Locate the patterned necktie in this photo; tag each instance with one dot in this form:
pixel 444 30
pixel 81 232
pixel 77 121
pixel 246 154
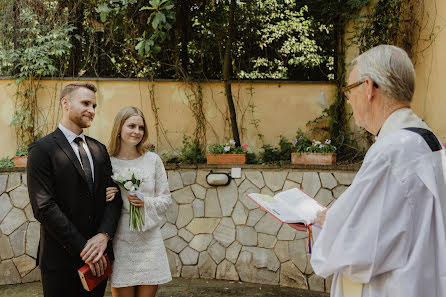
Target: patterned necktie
pixel 85 162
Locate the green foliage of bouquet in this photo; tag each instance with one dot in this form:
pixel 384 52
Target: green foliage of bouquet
pixel 131 179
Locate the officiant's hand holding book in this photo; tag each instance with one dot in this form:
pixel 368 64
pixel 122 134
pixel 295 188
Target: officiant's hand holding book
pixel 293 207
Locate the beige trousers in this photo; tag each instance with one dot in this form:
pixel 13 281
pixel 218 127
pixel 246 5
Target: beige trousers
pixel 351 289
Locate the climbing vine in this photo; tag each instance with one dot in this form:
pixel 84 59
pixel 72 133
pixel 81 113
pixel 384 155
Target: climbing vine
pixel 396 22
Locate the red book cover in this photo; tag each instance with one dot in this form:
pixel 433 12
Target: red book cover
pixel 89 281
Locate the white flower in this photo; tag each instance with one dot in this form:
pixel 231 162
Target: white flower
pixel 126 174
pixel 317 142
pixel 115 176
pixel 232 142
pixel 128 185
pixel 227 148
pixel 132 189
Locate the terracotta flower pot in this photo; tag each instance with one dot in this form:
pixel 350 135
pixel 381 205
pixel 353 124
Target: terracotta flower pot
pixel 20 161
pixel 313 158
pixel 226 159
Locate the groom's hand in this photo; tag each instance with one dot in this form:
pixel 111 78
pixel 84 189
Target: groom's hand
pixel 94 249
pixel 98 268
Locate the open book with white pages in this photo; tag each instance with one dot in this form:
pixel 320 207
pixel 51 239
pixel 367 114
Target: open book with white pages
pixel 292 206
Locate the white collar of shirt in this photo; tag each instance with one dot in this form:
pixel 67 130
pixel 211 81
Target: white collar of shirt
pixel 399 119
pixel 70 135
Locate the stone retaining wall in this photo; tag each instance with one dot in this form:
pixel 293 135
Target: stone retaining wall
pixel 209 232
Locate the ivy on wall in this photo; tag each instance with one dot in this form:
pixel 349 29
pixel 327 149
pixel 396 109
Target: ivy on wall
pixel 307 35
pixel 396 22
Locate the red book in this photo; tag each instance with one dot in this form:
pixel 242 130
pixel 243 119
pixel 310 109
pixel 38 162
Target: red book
pixel 89 281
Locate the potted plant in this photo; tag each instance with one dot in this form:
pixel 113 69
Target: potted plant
pixel 312 152
pixel 6 162
pixel 227 153
pixel 21 156
pixel 150 147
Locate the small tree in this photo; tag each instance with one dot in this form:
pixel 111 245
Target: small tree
pixel 39 45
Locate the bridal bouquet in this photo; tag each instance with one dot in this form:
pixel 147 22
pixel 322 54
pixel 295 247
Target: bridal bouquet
pixel 131 179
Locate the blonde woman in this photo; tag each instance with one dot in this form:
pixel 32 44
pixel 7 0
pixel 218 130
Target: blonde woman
pixel 140 257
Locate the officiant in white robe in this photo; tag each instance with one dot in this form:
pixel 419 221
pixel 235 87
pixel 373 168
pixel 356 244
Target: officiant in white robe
pixel 385 235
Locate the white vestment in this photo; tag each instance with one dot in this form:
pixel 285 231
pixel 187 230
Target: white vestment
pixel 387 230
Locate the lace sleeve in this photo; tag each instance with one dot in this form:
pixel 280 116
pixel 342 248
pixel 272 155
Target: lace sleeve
pixel 155 207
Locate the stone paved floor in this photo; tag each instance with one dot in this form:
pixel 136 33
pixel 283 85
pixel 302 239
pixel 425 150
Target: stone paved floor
pixel 186 288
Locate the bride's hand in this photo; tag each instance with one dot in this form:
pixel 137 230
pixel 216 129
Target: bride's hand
pixel 320 220
pixel 110 193
pixel 134 200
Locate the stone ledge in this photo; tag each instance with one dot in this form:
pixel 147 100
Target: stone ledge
pixel 13 169
pixel 341 167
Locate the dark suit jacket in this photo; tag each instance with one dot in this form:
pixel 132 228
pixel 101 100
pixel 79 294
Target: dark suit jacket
pixel 61 200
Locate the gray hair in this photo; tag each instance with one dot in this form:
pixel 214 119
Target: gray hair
pixel 391 69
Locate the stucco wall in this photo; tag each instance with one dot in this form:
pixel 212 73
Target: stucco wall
pixel 209 232
pixel 429 101
pixel 279 109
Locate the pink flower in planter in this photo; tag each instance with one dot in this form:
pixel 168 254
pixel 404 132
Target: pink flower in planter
pixel 245 146
pixel 150 145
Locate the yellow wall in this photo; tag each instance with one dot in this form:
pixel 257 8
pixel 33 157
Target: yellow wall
pixel 430 99
pixel 280 109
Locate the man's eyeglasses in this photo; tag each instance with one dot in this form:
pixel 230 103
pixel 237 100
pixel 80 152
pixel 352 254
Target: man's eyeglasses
pixel 346 90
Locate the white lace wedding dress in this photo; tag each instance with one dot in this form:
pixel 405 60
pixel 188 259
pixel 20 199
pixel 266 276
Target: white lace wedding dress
pixel 140 256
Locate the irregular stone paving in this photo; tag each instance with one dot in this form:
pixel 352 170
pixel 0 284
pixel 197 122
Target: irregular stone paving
pixel 182 287
pixel 209 232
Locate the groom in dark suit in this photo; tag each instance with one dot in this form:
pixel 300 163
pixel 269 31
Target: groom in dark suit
pixel 68 173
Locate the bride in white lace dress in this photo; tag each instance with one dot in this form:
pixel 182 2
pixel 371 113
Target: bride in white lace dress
pixel 140 263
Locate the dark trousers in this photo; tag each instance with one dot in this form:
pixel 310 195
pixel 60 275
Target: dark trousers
pixel 67 284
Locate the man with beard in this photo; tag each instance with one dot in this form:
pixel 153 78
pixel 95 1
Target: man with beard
pixel 68 173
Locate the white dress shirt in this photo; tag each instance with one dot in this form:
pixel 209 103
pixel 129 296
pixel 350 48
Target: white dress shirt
pixel 388 229
pixel 70 135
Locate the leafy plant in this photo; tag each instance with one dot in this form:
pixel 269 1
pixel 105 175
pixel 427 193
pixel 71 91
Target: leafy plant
pixel 301 144
pixel 41 43
pixel 288 27
pixel 6 162
pixel 22 151
pixel 150 147
pixel 252 159
pixel 170 158
pixel 161 19
pixel 191 153
pixel 318 147
pixel 227 148
pixel 279 154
